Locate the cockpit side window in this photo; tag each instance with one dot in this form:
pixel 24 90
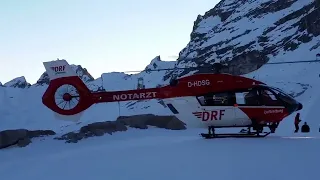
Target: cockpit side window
pixel 248 98
pixel 217 99
pixel 281 95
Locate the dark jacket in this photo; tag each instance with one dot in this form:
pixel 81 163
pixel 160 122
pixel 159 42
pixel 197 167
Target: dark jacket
pixel 305 128
pixel 297 119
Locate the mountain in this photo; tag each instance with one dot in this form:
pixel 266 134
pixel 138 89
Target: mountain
pixel 19 82
pixel 121 81
pixel 244 35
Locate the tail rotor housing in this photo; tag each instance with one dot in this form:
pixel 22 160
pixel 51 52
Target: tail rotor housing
pixel 67 94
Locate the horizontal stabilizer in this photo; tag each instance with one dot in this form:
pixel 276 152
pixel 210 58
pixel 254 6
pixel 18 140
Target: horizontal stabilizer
pixel 58 69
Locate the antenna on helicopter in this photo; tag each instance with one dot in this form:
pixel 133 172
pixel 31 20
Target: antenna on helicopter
pixel 140 83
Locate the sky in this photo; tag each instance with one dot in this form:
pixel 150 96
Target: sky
pixel 101 35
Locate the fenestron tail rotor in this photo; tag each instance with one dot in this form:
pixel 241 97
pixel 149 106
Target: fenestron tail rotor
pixel 67 97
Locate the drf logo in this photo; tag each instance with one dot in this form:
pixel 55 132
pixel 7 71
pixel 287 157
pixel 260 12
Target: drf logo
pixel 210 115
pixel 59 69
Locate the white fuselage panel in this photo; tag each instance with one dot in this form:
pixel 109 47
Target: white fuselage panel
pixel 194 115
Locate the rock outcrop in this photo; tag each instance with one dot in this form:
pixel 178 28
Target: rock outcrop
pixel 21 137
pixel 110 127
pixel 143 121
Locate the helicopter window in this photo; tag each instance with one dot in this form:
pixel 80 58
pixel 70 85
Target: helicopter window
pixel 269 99
pixel 217 99
pixel 279 91
pixel 201 100
pixel 248 98
pixel 240 98
pixel 283 96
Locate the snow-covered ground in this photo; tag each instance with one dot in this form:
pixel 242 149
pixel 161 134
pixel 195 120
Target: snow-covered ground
pixel 160 154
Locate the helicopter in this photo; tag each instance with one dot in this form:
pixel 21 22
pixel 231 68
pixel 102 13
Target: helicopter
pixel 204 100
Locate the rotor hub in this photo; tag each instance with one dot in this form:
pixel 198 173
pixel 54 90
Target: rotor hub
pixel 67 97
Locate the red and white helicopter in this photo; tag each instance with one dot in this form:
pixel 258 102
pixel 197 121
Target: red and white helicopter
pixel 200 100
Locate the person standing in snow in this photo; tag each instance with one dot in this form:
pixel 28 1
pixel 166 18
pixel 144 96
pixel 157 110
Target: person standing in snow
pixel 305 128
pixel 296 122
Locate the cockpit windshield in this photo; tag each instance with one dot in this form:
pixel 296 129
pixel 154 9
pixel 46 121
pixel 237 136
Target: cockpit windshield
pixel 279 91
pixel 282 95
pixel 288 101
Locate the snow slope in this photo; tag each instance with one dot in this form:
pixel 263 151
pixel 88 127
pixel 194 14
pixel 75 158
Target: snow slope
pixel 160 154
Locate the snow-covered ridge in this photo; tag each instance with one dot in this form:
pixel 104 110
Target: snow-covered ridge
pixel 95 84
pixel 121 81
pixel 19 82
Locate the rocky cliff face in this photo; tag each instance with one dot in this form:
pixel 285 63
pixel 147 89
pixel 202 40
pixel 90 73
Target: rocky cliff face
pixel 246 34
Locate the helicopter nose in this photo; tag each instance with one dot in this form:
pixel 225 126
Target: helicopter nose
pixel 300 106
pixel 294 107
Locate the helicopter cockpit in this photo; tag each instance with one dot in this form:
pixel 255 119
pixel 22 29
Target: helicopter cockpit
pixel 287 100
pixel 260 95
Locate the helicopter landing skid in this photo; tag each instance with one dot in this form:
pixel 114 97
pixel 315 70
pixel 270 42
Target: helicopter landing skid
pixel 216 136
pixel 213 135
